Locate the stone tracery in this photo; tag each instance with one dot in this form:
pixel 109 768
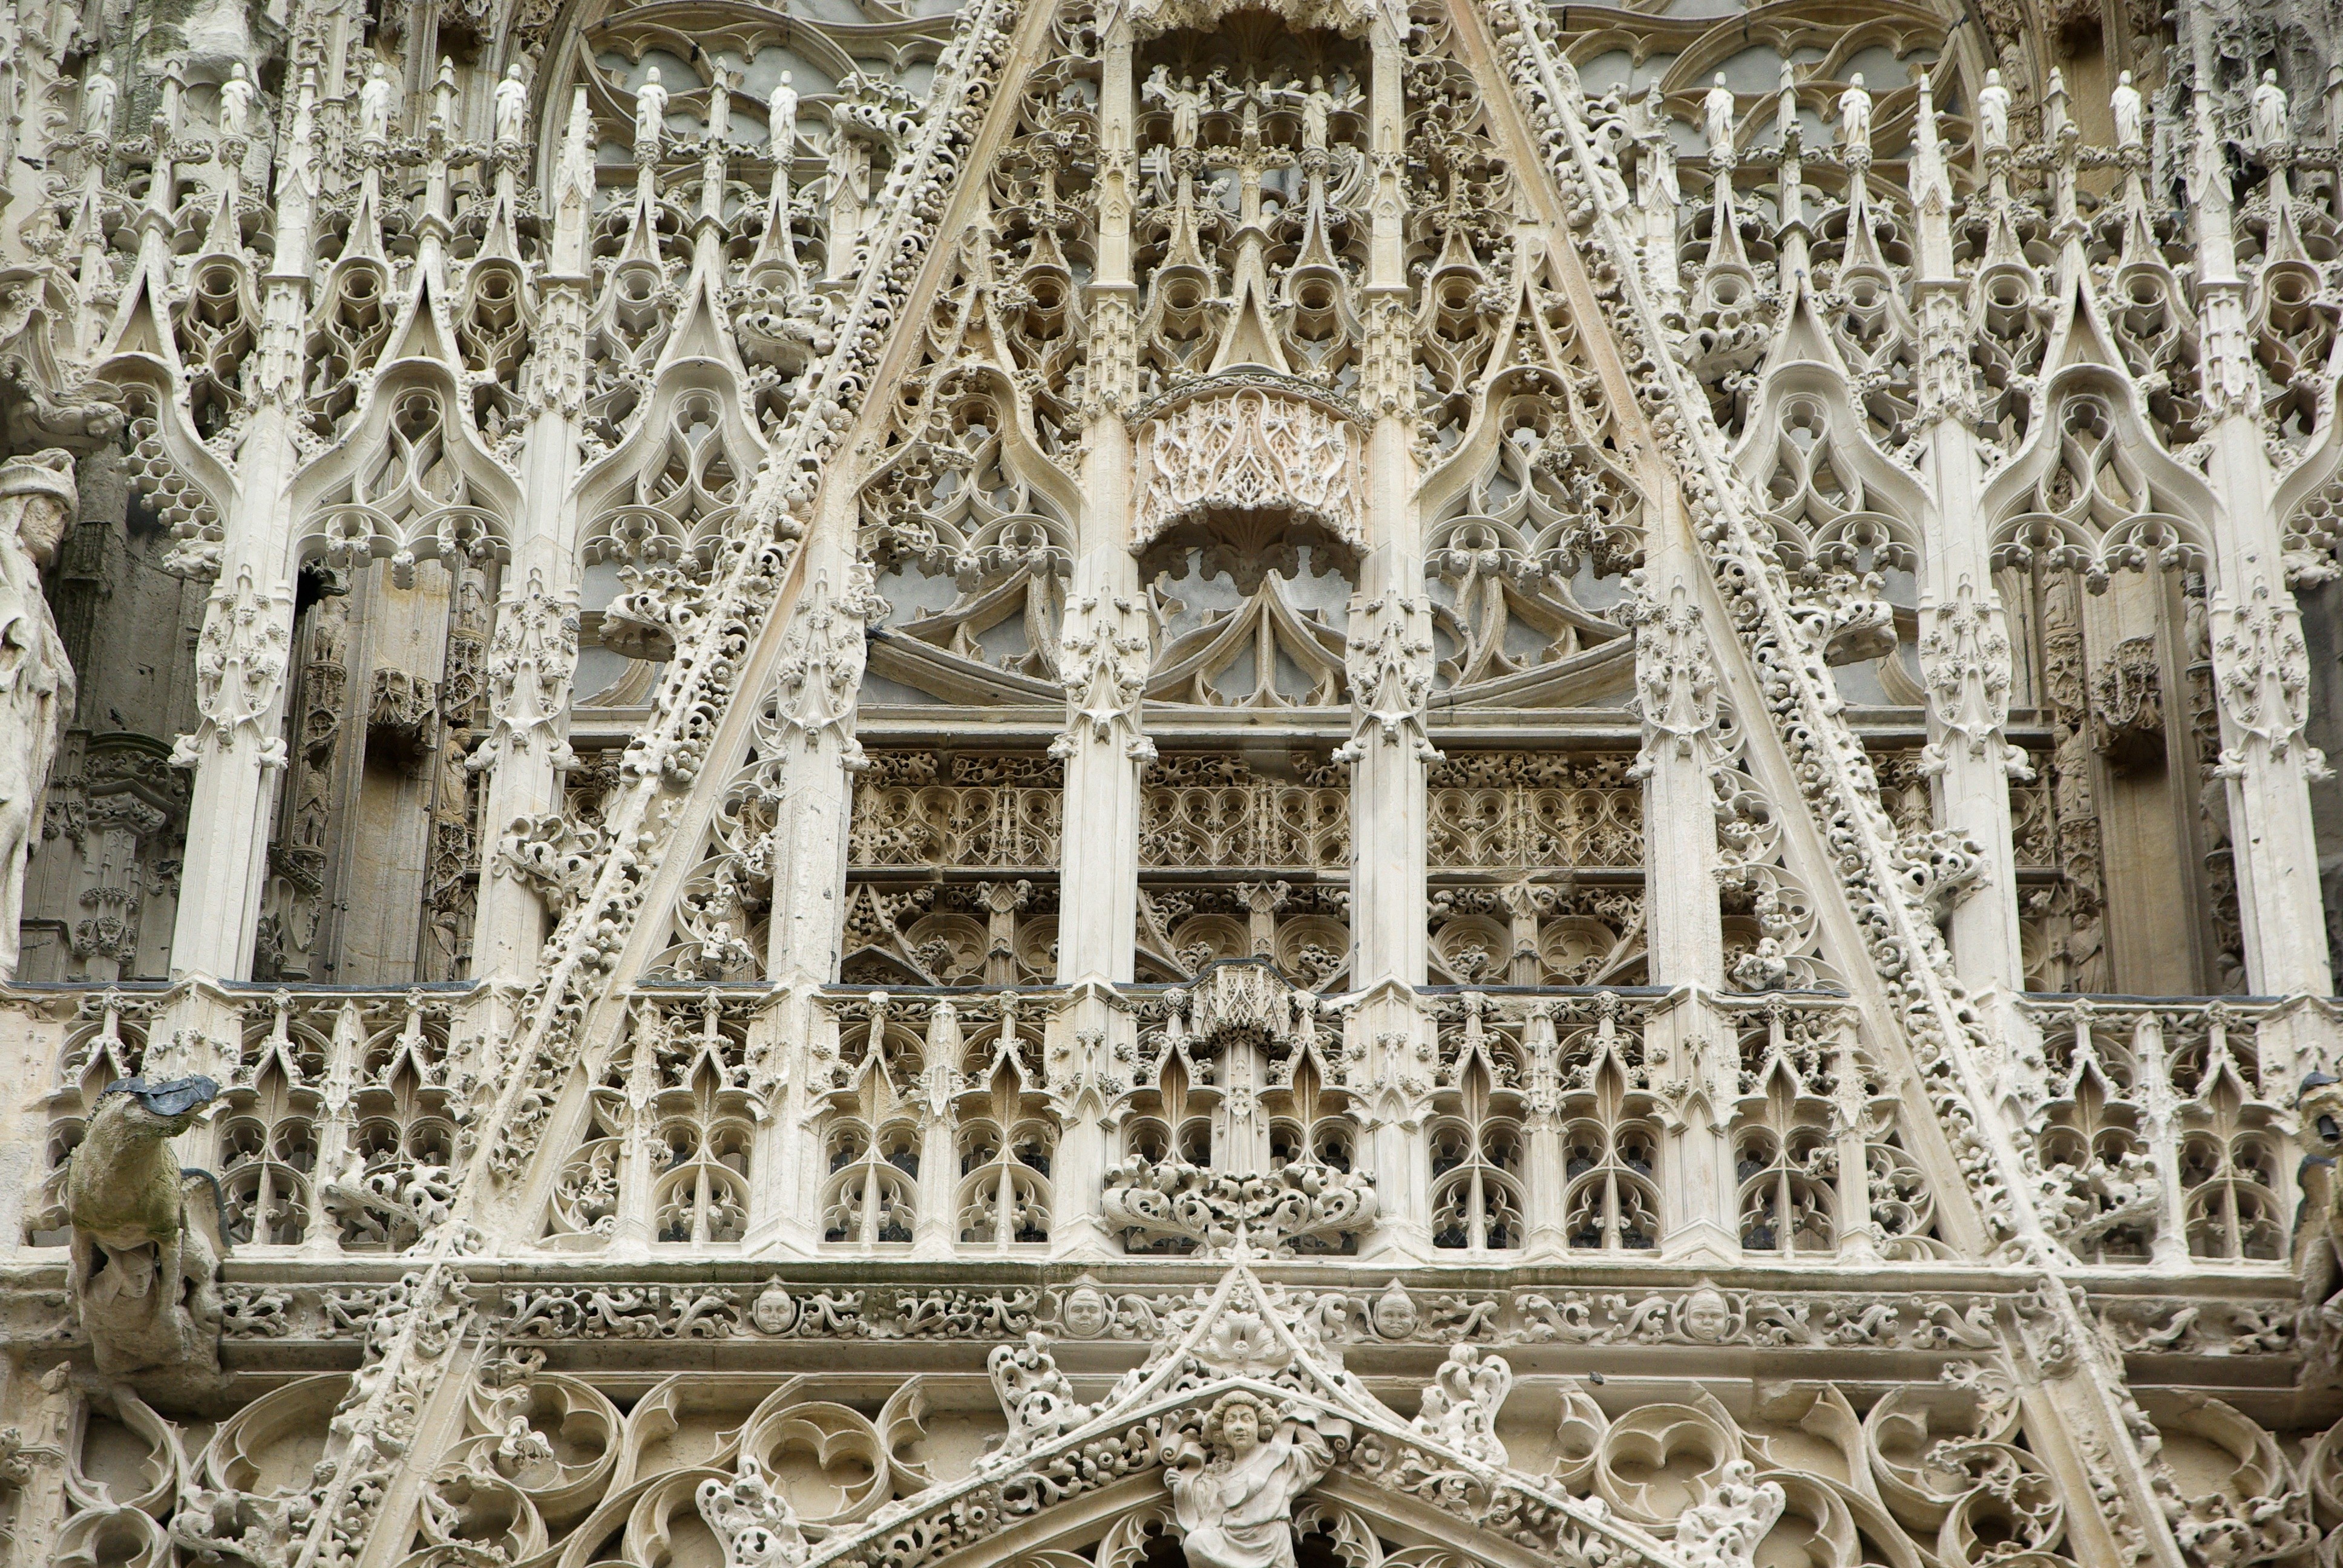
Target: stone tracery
pixel 1072 643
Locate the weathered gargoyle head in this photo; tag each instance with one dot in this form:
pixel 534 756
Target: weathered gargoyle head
pixel 168 1108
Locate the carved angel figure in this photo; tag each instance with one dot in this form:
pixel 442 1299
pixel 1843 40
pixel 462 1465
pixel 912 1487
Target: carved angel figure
pixel 1236 1508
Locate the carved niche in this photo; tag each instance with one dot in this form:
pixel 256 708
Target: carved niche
pixel 1254 448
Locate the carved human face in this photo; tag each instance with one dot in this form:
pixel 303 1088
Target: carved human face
pixel 1085 1311
pixel 1241 1429
pixel 42 527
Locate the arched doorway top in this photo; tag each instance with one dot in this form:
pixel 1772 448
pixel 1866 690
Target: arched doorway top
pixel 1241 1413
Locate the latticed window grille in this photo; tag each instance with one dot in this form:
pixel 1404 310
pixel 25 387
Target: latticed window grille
pixel 2230 1168
pixel 707 1127
pixel 1007 1141
pixel 403 1142
pixel 1611 1141
pixel 1786 1155
pixel 872 1141
pixel 269 1140
pixel 1478 1192
pixel 2094 1146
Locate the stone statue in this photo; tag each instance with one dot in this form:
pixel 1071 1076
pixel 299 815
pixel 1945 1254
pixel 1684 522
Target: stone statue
pixel 512 105
pixel 782 119
pixel 2130 112
pixel 235 103
pixel 2318 1231
pixel 1716 114
pixel 1855 115
pixel 1236 1508
pixel 374 105
pixel 99 93
pixel 1317 110
pixel 1993 111
pixel 141 1276
pixel 1185 101
pixel 37 499
pixel 650 113
pixel 2269 112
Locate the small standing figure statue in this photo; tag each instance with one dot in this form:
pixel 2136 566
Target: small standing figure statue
pixel 37 500
pixel 2269 112
pixel 1185 101
pixel 374 107
pixel 99 93
pixel 512 105
pixel 1235 1509
pixel 1854 117
pixel 1993 112
pixel 2130 112
pixel 650 115
pixel 1716 109
pixel 236 104
pixel 781 120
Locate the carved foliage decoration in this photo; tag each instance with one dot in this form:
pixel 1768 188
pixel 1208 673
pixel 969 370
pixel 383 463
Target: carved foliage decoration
pixel 1254 448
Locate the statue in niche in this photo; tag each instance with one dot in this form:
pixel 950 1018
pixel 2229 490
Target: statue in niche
pixel 1993 112
pixel 650 113
pixel 512 105
pixel 38 498
pixel 782 119
pixel 1318 104
pixel 1716 109
pixel 236 104
pixel 1186 103
pixel 99 94
pixel 2130 112
pixel 2270 112
pixel 1235 1508
pixel 374 105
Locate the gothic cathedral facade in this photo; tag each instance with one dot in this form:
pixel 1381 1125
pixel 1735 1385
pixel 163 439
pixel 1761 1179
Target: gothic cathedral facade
pixel 1171 784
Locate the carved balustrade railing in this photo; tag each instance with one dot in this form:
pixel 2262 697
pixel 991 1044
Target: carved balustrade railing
pixel 341 1120
pixel 2162 1133
pixel 1551 1122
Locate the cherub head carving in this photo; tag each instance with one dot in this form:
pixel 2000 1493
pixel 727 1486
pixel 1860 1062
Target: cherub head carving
pixel 1238 1423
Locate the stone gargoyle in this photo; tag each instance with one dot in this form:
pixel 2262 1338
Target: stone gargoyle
pixel 145 1261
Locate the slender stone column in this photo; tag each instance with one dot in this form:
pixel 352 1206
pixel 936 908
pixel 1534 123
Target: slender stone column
pixel 1105 639
pixel 1964 646
pixel 535 653
pixel 816 686
pixel 237 750
pixel 1389 630
pixel 2261 667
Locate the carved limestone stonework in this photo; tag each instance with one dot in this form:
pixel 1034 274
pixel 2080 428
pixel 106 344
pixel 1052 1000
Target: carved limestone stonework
pixel 144 1270
pixel 38 498
pixel 1250 448
pixel 1637 696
